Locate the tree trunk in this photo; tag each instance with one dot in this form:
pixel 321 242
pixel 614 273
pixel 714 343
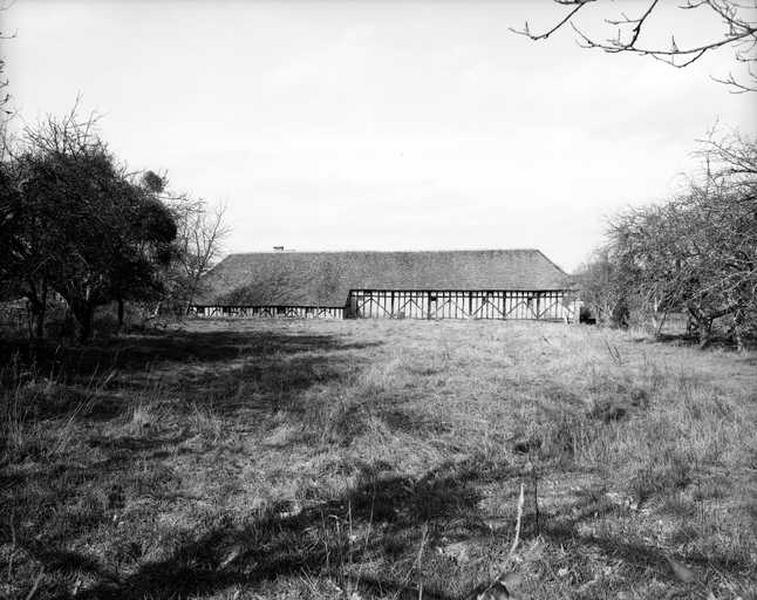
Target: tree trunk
pixel 83 312
pixel 739 322
pixel 39 325
pixel 739 339
pixel 705 333
pixel 37 314
pixel 38 306
pixel 190 297
pixel 37 296
pixel 120 313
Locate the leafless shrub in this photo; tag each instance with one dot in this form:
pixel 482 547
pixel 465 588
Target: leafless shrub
pixel 695 254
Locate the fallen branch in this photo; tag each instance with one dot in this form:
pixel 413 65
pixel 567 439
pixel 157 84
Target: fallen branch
pixel 33 591
pixel 516 539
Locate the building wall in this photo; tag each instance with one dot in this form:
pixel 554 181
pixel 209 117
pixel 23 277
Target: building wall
pixel 403 304
pixel 268 312
pixel 475 304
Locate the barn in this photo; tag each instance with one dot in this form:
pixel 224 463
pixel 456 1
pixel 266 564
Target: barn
pixel 462 284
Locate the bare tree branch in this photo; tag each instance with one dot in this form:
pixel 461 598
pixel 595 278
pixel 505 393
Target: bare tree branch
pixel 568 17
pixel 740 33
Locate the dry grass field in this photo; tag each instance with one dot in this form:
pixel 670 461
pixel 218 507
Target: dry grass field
pixel 378 459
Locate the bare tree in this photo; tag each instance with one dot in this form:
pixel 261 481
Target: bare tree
pixel 738 31
pixel 696 253
pixel 199 243
pixel 600 289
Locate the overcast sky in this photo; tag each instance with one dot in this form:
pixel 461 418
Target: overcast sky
pixel 378 125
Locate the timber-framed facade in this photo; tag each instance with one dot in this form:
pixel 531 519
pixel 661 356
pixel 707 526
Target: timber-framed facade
pixel 487 284
pixel 268 312
pixel 543 305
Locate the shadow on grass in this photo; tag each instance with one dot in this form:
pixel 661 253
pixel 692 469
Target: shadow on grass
pixel 635 555
pixel 140 352
pixel 715 342
pixel 314 541
pixel 222 368
pixel 393 510
pixel 169 388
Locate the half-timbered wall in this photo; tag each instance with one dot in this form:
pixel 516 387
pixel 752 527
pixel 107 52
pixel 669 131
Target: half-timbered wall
pixel 403 304
pixel 270 312
pixel 450 304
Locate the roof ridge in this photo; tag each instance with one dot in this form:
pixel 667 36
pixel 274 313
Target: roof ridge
pixel 437 251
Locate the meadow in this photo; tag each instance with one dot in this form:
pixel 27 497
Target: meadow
pixel 377 459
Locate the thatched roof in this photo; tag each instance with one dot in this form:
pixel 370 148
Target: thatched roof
pixel 325 278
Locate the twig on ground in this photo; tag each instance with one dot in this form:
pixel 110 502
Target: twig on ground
pixel 422 547
pixel 33 591
pixel 531 466
pixel 519 517
pixel 491 590
pixel 13 545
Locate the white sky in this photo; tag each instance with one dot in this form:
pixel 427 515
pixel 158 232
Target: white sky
pixel 378 125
